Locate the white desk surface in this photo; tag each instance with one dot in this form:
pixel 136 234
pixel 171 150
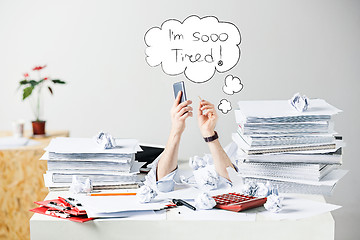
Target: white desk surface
pixel 173 227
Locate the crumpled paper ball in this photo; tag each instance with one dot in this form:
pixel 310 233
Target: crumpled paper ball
pixel 204 201
pixel 206 178
pixel 78 186
pixel 259 189
pixel 146 194
pixel 300 103
pixel 274 203
pixel 250 188
pixel 262 190
pixel 150 179
pixel 197 162
pixel 105 140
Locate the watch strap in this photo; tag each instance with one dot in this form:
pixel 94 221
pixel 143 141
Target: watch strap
pixel 212 138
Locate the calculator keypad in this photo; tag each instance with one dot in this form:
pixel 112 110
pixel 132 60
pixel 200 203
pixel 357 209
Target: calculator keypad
pixel 237 202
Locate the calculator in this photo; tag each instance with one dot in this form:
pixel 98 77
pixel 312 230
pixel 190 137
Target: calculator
pixel 237 202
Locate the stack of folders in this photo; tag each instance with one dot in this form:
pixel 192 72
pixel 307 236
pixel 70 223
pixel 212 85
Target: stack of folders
pixel 83 157
pixel 298 151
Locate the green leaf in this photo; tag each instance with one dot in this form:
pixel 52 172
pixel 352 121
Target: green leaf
pixel 51 91
pixel 27 92
pixel 23 82
pixel 58 81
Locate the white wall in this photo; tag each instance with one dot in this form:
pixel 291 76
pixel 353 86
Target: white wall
pixel 310 47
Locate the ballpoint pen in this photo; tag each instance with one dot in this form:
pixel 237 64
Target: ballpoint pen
pixel 180 202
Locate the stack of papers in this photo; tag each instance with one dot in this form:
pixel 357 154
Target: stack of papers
pixel 84 158
pixel 293 149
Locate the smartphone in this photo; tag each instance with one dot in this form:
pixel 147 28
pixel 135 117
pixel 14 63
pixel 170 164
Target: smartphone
pixel 180 86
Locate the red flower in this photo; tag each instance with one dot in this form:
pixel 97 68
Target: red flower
pixel 46 78
pixel 26 75
pixel 37 68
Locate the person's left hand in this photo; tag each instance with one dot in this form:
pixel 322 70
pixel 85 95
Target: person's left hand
pixel 207 118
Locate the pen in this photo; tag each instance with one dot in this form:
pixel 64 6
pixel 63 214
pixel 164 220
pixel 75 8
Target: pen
pixel 205 111
pixel 180 202
pixel 112 194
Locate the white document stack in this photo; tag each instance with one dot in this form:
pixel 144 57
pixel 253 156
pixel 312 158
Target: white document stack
pixel 83 157
pixel 297 151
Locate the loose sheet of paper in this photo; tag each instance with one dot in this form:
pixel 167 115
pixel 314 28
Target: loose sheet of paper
pixel 113 204
pixel 89 145
pixel 212 215
pixel 189 193
pixel 131 215
pixel 297 208
pixel 12 142
pixel 329 180
pixel 85 158
pixel 282 108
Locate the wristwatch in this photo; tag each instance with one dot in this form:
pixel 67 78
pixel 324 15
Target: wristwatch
pixel 212 138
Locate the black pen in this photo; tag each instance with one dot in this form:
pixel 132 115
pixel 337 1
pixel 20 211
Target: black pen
pixel 180 202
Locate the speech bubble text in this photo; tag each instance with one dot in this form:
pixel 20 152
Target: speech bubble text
pixel 197 47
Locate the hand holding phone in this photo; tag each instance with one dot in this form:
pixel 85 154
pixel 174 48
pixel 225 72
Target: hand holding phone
pixel 181 108
pixel 180 86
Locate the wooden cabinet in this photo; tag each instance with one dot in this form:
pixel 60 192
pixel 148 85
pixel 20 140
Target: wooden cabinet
pixel 22 183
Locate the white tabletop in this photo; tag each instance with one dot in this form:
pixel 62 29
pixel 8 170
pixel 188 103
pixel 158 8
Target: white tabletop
pixel 178 226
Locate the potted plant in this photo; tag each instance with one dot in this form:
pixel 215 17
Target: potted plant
pixel 34 89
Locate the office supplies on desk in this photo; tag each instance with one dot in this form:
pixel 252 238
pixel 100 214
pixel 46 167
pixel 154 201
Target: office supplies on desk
pixel 89 146
pixel 204 201
pixel 237 202
pixel 300 103
pixel 95 206
pixel 323 187
pixel 296 157
pixel 62 208
pixel 83 158
pixel 298 208
pixel 148 155
pixel 284 171
pixel 275 142
pixel 180 202
pixel 273 149
pixel 280 111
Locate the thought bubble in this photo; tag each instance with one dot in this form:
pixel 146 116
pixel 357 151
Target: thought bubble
pixel 224 106
pixel 197 47
pixel 232 85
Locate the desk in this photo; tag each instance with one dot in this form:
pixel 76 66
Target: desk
pixel 318 227
pixel 21 183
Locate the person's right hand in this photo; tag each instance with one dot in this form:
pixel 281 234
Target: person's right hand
pixel 179 113
pixel 207 118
